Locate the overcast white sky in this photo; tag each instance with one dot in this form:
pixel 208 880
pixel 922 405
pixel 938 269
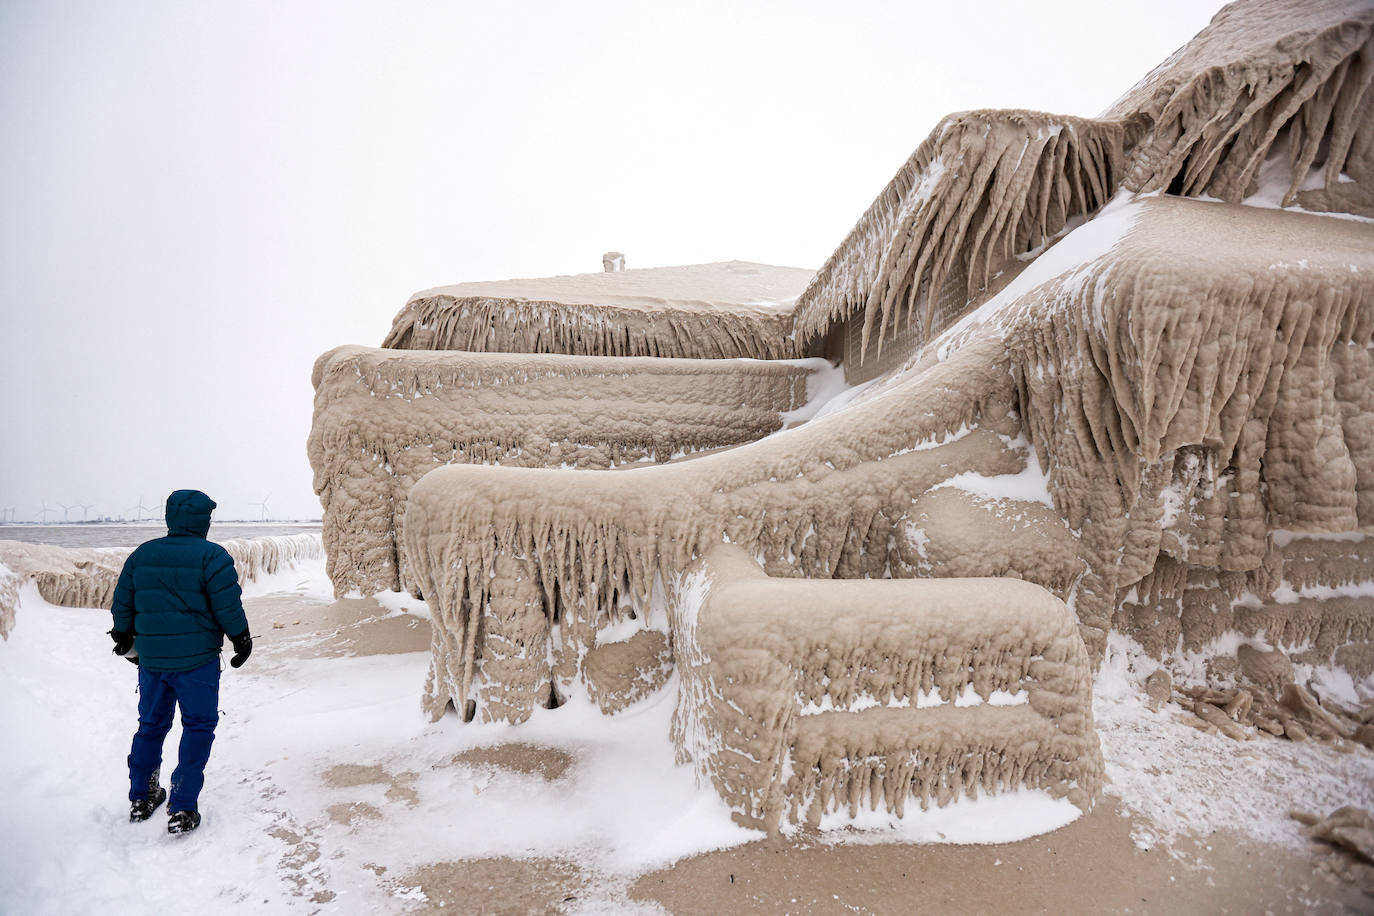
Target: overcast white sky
pixel 197 199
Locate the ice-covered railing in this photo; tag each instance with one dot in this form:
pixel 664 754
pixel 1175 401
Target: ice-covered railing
pixel 816 501
pixel 86 576
pixel 802 698
pixel 385 418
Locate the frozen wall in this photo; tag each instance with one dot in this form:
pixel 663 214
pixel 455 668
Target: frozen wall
pixel 385 418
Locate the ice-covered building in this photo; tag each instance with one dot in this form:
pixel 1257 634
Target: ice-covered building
pixel 1065 376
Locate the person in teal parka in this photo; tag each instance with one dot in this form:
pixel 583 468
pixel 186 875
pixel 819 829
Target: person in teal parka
pixel 177 599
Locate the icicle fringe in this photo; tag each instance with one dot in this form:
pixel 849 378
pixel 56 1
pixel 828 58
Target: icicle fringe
pixel 988 186
pixel 821 503
pixel 385 418
pixel 755 654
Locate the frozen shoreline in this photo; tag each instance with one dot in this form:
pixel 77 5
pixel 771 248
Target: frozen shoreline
pixel 131 534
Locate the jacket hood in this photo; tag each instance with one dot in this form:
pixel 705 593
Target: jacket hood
pixel 188 512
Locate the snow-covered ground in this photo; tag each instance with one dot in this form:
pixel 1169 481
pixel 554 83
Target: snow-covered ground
pixel 1183 782
pixel 279 833
pixel 327 784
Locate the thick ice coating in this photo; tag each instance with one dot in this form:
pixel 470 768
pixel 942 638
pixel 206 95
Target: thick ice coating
pixel 385 418
pixel 700 311
pixel 1185 387
pixel 1112 357
pixel 800 697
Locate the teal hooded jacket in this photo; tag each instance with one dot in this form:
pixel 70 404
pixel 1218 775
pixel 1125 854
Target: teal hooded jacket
pixel 179 595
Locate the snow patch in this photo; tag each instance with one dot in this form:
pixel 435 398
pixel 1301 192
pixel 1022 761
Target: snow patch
pixel 306 578
pixel 1078 249
pixel 1004 817
pixel 1181 781
pixel 1030 484
pixel 1284 537
pixel 401 603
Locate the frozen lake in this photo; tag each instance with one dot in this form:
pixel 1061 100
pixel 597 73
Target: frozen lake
pixel 131 535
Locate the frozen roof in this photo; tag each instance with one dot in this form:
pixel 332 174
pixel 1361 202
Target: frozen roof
pixel 732 285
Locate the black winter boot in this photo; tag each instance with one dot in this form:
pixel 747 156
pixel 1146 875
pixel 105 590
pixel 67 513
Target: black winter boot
pixel 140 809
pixel 183 822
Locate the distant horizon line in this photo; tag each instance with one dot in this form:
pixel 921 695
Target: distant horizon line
pixel 163 521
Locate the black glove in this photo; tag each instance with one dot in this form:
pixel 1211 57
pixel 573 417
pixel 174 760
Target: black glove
pixel 123 642
pixel 243 647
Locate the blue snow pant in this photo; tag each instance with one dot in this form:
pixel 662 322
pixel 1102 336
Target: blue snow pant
pixel 197 691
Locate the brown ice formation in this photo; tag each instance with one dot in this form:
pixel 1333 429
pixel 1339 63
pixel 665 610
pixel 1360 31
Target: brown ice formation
pixel 65 576
pixel 800 697
pixel 1266 83
pixel 10 583
pixel 86 576
pixel 385 418
pixel 1115 357
pixel 701 311
pixel 1348 837
pixel 1164 448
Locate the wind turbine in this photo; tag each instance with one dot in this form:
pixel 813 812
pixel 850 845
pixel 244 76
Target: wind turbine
pixel 263 505
pixel 140 508
pixel 65 510
pixel 46 510
pixel 84 507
